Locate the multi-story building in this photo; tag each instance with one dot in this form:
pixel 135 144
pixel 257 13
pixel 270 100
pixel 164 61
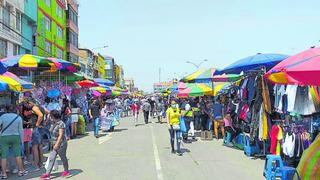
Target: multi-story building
pixel 99 65
pixel 86 62
pixel 10 27
pixel 72 31
pixel 109 68
pixel 28 26
pixel 119 76
pixel 51 31
pixel 129 84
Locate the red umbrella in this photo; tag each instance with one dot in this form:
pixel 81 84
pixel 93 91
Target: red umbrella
pixel 300 69
pixel 87 83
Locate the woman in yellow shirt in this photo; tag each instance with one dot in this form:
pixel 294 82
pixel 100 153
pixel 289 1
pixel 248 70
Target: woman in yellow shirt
pixel 173 122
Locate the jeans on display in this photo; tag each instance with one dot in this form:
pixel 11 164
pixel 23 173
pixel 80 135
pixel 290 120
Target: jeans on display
pixel 96 126
pixel 146 116
pixel 175 134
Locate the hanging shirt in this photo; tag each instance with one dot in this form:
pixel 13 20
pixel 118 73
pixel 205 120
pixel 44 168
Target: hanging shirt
pixel 279 91
pixel 288 145
pixel 303 103
pixel 279 139
pixel 273 137
pixel 291 93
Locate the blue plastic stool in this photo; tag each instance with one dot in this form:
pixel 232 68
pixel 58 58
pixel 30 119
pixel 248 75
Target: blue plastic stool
pixel 250 150
pixel 227 138
pixel 240 139
pixel 272 167
pixel 287 172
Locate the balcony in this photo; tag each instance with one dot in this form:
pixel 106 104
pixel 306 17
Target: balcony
pixel 72 48
pixel 7 34
pixel 74 4
pixel 72 26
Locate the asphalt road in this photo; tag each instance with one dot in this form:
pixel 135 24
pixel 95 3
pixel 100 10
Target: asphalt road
pixel 143 153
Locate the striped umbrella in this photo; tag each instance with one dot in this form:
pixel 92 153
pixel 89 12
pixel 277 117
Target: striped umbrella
pixel 10 81
pixel 195 90
pixel 309 165
pixel 87 83
pixel 27 61
pixel 64 65
pixel 226 78
pixel 200 76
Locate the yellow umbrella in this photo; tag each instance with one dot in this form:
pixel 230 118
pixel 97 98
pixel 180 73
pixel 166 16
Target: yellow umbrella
pixel 13 84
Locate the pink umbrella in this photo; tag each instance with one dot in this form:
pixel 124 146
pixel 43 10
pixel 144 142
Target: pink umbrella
pixel 182 85
pixel 300 69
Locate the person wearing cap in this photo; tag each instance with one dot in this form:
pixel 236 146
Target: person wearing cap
pixel 173 123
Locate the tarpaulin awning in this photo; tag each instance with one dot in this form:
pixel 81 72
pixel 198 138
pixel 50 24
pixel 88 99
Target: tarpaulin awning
pixel 300 69
pixel 253 62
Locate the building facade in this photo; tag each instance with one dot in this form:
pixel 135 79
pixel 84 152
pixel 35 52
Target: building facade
pixel 28 26
pixel 10 27
pixel 99 67
pixel 86 62
pixel 72 31
pixel 109 68
pixel 129 84
pixel 51 30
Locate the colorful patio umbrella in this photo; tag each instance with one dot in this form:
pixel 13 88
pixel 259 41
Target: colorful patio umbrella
pixel 102 90
pixel 195 90
pixel 103 81
pixel 64 65
pixel 226 78
pixel 87 83
pixel 220 87
pixel 309 165
pixel 200 76
pixel 75 77
pixel 300 69
pixel 253 62
pixel 9 81
pixel 27 61
pixel 3 69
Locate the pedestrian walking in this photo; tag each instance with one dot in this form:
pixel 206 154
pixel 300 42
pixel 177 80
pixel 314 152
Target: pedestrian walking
pixel 94 113
pixel 11 137
pixel 146 108
pixel 173 123
pixel 135 110
pixel 188 118
pixel 60 144
pixel 218 114
pixel 75 111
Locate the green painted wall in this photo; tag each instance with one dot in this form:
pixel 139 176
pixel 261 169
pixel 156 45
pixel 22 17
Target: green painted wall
pixel 50 36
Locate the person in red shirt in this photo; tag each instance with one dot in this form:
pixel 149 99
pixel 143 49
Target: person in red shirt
pixel 135 110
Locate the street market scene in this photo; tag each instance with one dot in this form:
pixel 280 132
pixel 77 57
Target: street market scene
pixel 159 90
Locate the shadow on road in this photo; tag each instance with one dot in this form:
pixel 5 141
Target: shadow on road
pixel 73 172
pixel 119 130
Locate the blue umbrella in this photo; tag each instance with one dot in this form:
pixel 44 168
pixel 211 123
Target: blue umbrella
pixel 3 69
pixel 103 81
pixel 252 62
pixel 3 85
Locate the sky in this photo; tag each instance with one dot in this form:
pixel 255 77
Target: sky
pixel 147 35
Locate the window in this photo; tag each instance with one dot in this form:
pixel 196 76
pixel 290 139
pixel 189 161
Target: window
pixel 18 21
pixel 3 48
pixel 48 47
pixel 72 38
pixel 59 53
pixel 6 16
pixel 47 2
pixel 72 15
pixel 59 11
pixel 47 23
pixel 16 49
pixel 59 32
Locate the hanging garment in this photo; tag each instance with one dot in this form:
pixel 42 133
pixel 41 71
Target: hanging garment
pixel 279 140
pixel 265 126
pixel 261 123
pixel 266 96
pixel 304 104
pixel 289 144
pixel 291 93
pixel 243 90
pixel 251 89
pixel 273 137
pixel 279 91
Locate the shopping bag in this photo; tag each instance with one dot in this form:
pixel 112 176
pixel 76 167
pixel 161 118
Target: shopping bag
pixel 115 123
pixel 55 165
pixel 182 125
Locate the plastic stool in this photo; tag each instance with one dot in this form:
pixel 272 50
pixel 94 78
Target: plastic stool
pixel 250 150
pixel 287 172
pixel 272 167
pixel 227 138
